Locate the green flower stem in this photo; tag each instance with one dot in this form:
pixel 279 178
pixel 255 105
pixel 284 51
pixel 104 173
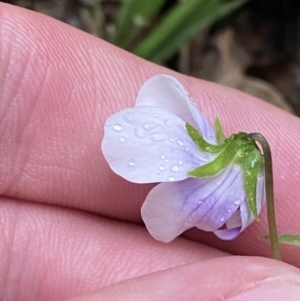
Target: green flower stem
pixel 269 192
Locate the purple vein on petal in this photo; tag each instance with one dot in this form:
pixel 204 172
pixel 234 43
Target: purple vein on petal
pixel 204 217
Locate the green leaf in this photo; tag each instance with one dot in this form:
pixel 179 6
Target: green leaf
pixel 287 239
pixel 133 15
pixel 200 142
pixel 229 152
pixel 180 24
pixel 219 132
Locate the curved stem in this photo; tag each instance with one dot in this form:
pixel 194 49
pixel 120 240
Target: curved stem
pixel 269 192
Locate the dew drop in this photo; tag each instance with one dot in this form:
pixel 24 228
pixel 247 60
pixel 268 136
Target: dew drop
pixel 131 162
pixel 122 139
pixel 229 210
pixel 156 137
pixel 163 157
pixel 168 122
pixel 139 132
pixel 186 148
pixel 117 127
pixel 199 202
pixel 180 162
pixel 148 126
pixel 222 219
pixel 155 115
pixel 130 119
pixel 174 168
pixel 171 179
pixel 237 201
pixel 161 167
pixel 179 142
pixel 171 139
pixel 167 160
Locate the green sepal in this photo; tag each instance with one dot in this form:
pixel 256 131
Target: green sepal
pixel 200 142
pixel 251 164
pixel 229 152
pixel 219 132
pixel 287 239
pixel 237 149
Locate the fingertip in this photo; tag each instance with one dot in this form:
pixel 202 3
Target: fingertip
pixel 228 278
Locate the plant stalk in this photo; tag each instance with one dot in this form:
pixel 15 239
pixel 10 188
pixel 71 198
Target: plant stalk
pixel 268 169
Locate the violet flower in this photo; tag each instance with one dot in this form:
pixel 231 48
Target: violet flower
pixel 207 181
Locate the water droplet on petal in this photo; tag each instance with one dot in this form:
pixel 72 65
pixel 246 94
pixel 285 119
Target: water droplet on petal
pixel 222 219
pixel 174 168
pixel 122 139
pixel 168 122
pixel 148 126
pixel 200 202
pixel 180 162
pixel 158 108
pixel 139 132
pixel 179 142
pixel 117 127
pixel 163 157
pixel 186 148
pixel 171 139
pixel 171 179
pixel 155 115
pixel 229 210
pixel 237 201
pixel 167 160
pixel 161 167
pixel 130 119
pixel 131 162
pixel 156 137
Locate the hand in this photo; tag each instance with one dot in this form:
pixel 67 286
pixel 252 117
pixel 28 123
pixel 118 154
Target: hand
pixel 70 226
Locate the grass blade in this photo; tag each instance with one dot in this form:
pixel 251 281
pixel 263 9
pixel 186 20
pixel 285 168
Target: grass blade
pixel 180 24
pixel 133 15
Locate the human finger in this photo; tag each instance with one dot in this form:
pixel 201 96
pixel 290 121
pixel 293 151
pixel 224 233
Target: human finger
pixel 228 278
pixel 53 253
pixel 58 87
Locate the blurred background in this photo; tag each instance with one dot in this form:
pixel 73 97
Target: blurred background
pixel 251 45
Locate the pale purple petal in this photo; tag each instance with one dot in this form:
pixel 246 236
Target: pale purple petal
pixel 243 217
pixel 166 92
pixel 233 227
pixel 205 203
pixel 148 144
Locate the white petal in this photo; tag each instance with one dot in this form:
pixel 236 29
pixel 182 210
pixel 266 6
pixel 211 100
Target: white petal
pixel 166 92
pixel 148 144
pixel 205 203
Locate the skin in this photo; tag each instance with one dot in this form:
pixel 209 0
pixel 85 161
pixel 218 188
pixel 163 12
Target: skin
pixel 71 228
